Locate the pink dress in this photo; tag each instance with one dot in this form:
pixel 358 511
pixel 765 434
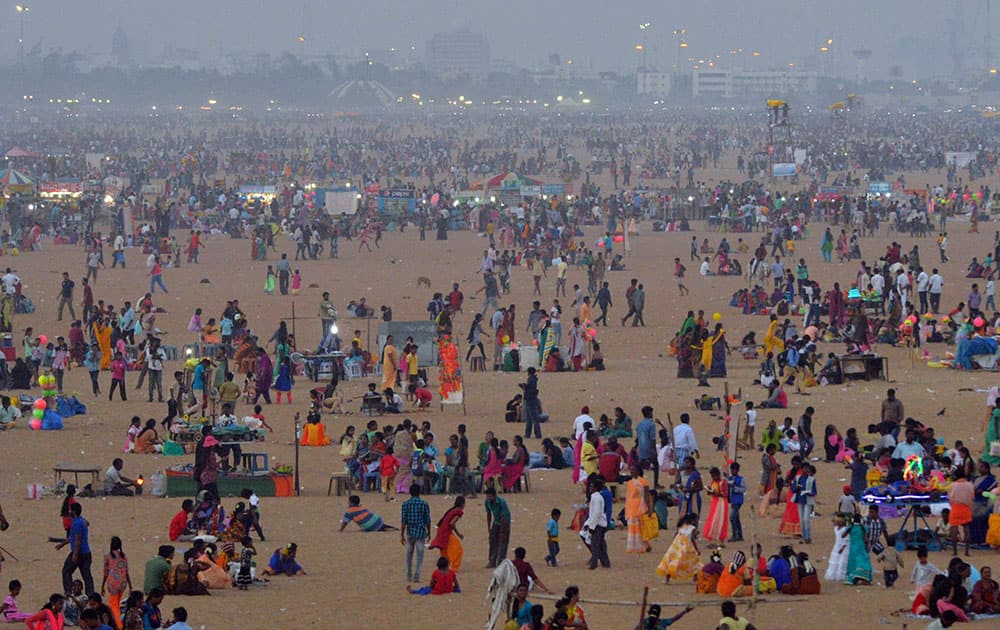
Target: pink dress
pixel 493 467
pixel 11 614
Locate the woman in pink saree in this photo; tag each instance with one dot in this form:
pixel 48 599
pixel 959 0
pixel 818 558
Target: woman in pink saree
pixel 516 463
pixel 493 469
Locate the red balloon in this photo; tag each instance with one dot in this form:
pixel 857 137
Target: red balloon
pixel 39 403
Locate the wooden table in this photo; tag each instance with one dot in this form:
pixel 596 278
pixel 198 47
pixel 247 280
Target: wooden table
pixel 866 366
pixel 76 471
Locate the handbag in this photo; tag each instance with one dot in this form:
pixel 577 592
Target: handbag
pixel 650 526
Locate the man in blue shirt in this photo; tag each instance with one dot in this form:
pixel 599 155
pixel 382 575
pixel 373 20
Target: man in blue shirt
pixel 413 532
pixel 79 556
pixel 737 490
pixel 645 438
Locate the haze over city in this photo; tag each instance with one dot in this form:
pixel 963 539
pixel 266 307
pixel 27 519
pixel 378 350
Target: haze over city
pixel 908 38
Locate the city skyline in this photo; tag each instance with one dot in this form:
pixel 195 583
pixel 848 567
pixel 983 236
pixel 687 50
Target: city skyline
pixel 916 38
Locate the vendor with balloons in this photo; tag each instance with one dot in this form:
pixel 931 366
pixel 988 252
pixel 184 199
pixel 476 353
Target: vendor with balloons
pixel 44 416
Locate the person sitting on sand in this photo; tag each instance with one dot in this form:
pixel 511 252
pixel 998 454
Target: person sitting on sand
pixel 283 562
pixel 148 441
pixel 443 581
pixel 314 431
pixel 367 520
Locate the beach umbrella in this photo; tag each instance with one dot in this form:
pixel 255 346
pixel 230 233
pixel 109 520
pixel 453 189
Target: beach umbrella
pixel 15 181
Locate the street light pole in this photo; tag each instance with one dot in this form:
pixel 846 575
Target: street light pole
pixel 21 10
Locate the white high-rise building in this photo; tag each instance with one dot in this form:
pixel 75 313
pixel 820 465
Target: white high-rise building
pixel 458 53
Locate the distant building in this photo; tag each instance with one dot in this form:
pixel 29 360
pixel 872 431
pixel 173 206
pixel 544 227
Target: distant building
pixel 709 83
pixel 119 47
pixel 458 53
pixel 652 83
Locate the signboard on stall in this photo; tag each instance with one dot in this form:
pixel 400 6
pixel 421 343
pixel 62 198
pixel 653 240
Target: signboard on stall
pixel 959 159
pixel 397 202
pixel 338 201
pixel 784 169
pixel 531 191
pixel 879 188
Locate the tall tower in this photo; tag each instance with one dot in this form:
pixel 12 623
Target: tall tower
pixel 861 58
pixel 119 47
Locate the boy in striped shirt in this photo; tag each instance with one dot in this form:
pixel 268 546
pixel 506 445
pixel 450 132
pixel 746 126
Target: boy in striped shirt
pixel 367 520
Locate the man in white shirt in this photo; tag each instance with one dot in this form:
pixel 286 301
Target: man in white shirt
pixel 581 421
pixel 118 251
pixel 902 290
pixel 910 447
pixel 934 286
pixel 685 444
pixel 878 285
pixel 597 525
pixel 923 281
pixel 155 356
pixel 706 269
pixel 10 281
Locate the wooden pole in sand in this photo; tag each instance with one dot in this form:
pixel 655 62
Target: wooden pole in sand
pixel 298 489
pixel 642 608
pixel 756 574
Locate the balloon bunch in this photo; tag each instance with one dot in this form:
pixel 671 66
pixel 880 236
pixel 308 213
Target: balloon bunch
pixel 37 413
pixel 48 383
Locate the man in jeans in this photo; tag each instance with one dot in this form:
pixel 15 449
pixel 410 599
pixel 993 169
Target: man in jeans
pixel 645 436
pixel 284 273
pixel 531 404
pixel 737 490
pixel 597 525
pixel 66 299
pixel 416 524
pixel 79 556
pixel 155 357
pixel 498 525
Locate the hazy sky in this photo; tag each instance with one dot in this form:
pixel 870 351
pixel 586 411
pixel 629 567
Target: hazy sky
pixel 911 34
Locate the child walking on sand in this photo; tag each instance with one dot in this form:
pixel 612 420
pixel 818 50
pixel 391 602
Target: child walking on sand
pixel 118 367
pixel 244 578
pixel 552 538
pixel 296 282
pixel 389 467
pixel 269 281
pixel 284 381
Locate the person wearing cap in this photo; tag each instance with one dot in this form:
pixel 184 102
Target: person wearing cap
pixel 653 621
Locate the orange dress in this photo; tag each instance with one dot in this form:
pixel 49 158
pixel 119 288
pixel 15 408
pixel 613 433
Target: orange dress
pixel 314 435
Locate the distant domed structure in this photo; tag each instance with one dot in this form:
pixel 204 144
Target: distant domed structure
pixel 362 94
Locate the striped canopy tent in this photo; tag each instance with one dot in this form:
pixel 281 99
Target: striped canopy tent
pixel 13 181
pixel 506 179
pixel 19 152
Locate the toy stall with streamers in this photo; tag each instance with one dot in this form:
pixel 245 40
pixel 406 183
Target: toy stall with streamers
pixel 450 373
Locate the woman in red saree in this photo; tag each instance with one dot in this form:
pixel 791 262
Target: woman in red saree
pixel 790 525
pixel 448 539
pixel 516 463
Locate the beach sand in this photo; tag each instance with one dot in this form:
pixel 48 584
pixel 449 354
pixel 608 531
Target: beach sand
pixel 356 580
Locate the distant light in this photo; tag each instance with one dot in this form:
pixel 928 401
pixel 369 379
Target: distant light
pixel 212 101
